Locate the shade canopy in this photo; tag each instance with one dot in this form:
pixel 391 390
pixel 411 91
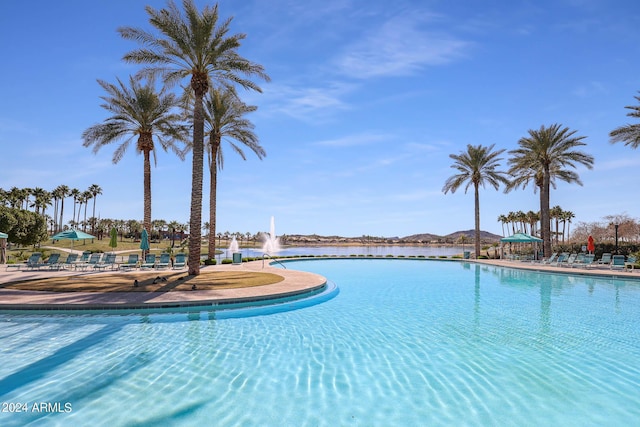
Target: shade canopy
pixel 72 234
pixel 3 235
pixel 520 238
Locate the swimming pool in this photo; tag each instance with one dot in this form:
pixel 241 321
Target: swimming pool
pixel 406 342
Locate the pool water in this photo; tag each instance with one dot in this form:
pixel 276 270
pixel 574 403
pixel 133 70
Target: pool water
pixel 405 343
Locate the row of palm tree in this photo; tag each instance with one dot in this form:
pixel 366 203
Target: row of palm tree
pixel 42 199
pixel 543 156
pixel 521 220
pixel 194 46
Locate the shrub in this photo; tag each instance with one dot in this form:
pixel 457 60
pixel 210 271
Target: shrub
pixel 210 261
pixel 226 261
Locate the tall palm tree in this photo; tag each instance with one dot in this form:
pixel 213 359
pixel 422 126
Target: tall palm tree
pixel 555 213
pixel 62 191
pixel 630 133
pixel 566 217
pixel 193 45
pixel 76 194
pixel 95 191
pixel 503 220
pixel 477 166
pixel 224 121
pixel 543 156
pixel 138 111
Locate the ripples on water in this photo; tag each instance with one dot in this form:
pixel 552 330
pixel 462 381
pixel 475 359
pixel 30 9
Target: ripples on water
pixel 404 343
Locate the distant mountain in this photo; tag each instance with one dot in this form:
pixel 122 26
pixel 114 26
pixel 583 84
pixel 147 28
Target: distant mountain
pixel 314 239
pixel 485 236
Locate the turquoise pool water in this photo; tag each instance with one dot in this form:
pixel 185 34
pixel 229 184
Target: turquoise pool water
pixel 405 343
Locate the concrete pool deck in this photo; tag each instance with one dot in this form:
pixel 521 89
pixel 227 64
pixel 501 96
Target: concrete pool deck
pixel 294 283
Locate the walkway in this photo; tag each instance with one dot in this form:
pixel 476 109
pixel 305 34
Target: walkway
pixel 295 282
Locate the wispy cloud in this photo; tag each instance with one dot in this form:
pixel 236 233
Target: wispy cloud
pixel 401 46
pixel 305 103
pixel 591 89
pixel 353 140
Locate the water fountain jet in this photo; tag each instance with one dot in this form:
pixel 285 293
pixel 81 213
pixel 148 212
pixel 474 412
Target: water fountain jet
pixel 271 242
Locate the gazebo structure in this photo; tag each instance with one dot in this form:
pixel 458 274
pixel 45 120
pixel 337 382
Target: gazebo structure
pixel 520 238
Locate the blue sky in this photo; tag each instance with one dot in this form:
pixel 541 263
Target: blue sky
pixel 367 101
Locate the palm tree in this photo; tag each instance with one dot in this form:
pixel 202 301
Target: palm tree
pixel 95 191
pixel 62 192
pixel 566 217
pixel 543 156
pixel 224 121
pixel 629 134
pixel 554 216
pixel 76 194
pixel 477 166
pixel 142 112
pixel 194 46
pixel 502 219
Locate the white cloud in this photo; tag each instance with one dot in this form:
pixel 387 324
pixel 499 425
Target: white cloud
pixel 400 46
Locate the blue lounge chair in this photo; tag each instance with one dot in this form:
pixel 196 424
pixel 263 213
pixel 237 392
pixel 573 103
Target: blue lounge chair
pixel 180 261
pixel 561 258
pixel 132 262
pixel 570 261
pixel 108 261
pixel 617 262
pixel 93 260
pixel 588 261
pixel 606 259
pixel 631 262
pixel 33 262
pixel 70 262
pixel 551 259
pixel 51 263
pixel 164 261
pixel 149 262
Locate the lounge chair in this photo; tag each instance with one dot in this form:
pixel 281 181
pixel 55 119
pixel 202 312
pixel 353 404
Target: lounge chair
pixel 617 262
pixel 561 258
pixel 131 263
pixel 51 262
pixel 606 259
pixel 149 262
pixel 570 261
pixel 93 260
pixel 109 260
pixel 588 261
pixel 85 257
pixel 70 262
pixel 33 262
pixel 180 261
pixel 631 262
pixel 164 261
pixel 551 259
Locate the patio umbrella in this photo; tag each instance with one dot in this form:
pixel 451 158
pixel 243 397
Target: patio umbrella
pixel 3 235
pixel 144 242
pixel 521 238
pixel 591 245
pixel 113 240
pixel 72 235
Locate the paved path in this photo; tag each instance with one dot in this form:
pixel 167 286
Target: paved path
pixel 295 282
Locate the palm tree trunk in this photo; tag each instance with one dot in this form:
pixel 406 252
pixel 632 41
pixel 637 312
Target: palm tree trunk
pixel 146 221
pixel 477 236
pixel 544 213
pixel 213 168
pixel 195 219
